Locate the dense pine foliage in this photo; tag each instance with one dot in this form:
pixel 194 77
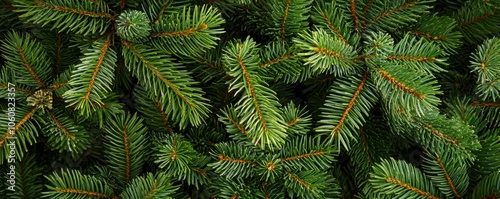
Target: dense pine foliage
pixel 250 99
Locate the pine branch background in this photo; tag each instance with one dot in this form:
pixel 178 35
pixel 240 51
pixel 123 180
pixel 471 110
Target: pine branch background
pixel 251 99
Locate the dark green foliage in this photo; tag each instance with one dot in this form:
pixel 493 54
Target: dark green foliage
pixel 27 58
pixel 189 31
pixel 28 178
pixel 258 105
pixel 250 98
pixel 349 101
pixel 488 187
pixel 74 184
pixel 150 186
pixel 321 51
pixel 92 18
pixel 98 63
pixel 158 74
pixel 486 64
pixel 399 179
pixel 125 146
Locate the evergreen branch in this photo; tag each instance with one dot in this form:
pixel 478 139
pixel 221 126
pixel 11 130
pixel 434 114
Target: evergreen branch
pixel 91 18
pixel 91 79
pixel 331 17
pixel 395 14
pixel 330 25
pixel 448 178
pixel 197 173
pixel 270 168
pixel 71 184
pixel 367 7
pixel 163 116
pixel 103 51
pixel 464 110
pixel 283 21
pixel 300 181
pixel 293 122
pixel 175 155
pixel 63 8
pixel 258 105
pixel 411 188
pixel 152 110
pixel 400 85
pixel 65 133
pixel 326 53
pixel 150 186
pixel 487 159
pixel 127 154
pixel 61 84
pixel 18 126
pixel 308 184
pixel 304 152
pixel 486 64
pixel 125 146
pixel 30 69
pixel 318 153
pixel 83 192
pixel 188 32
pixel 234 126
pixel 447 170
pixel 478 21
pixel 160 75
pixel 238 126
pixel 347 103
pixel 157 73
pixel 22 135
pixel 285 18
pixel 414 91
pixel 276 60
pixel 211 65
pixel 298 119
pixel 157 10
pixel 439 134
pixel 392 11
pixel 397 178
pixel 27 58
pixel 234 160
pixel 372 146
pixel 425 59
pixel 365 146
pixel 58 53
pixel 253 95
pixel 29 92
pixel 429 36
pixel 420 59
pixel 335 130
pixel 233 188
pixel 59 124
pixel 488 187
pixel 279 58
pixel 445 34
pixel 436 131
pixel 161 11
